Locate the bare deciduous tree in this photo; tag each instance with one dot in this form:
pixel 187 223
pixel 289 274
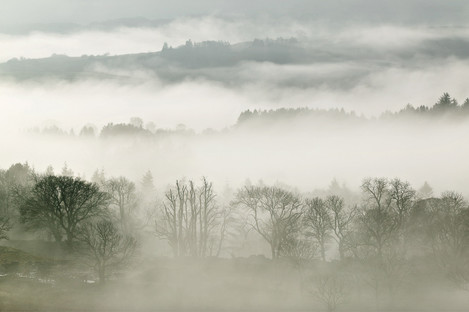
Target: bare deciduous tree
pixel 60 203
pixel 341 222
pixel 403 196
pixel 18 179
pixel 378 224
pixel 123 196
pixel 300 250
pixel 226 222
pixel 191 220
pixel 318 222
pixel 105 247
pixel 170 225
pixel 449 234
pixel 274 212
pixel 208 214
pixel 330 289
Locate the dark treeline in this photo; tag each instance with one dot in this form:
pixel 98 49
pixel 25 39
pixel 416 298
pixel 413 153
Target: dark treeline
pixel 446 108
pixel 220 53
pixel 134 128
pixel 384 241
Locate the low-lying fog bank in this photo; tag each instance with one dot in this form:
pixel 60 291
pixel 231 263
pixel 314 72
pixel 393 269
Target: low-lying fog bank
pixel 304 152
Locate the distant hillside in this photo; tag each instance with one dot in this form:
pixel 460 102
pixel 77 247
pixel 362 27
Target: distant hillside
pixel 206 54
pixel 211 59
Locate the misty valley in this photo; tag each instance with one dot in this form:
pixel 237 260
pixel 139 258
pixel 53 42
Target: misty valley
pixel 110 242
pixel 218 155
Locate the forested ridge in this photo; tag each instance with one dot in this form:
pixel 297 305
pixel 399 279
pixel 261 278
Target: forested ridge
pixel 218 60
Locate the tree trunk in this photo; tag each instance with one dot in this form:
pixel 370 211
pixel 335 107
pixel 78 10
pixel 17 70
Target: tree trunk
pixel 323 252
pixel 341 251
pixel 102 274
pixel 123 218
pixel 69 241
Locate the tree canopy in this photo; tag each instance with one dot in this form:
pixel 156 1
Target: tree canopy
pixel 58 204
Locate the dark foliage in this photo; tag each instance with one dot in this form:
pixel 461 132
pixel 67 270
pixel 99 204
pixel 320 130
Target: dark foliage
pixel 59 204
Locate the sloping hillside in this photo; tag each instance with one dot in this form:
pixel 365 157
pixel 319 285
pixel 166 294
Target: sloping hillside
pixel 9 255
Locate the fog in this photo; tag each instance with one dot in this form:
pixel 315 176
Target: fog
pixel 213 155
pixel 202 104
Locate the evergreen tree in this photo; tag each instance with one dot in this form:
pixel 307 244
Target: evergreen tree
pixel 425 191
pixel 147 183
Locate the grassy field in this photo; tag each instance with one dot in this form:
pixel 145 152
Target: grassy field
pixel 38 283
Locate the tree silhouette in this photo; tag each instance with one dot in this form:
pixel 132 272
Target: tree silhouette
pixel 191 220
pixel 124 197
pixel 105 247
pixel 378 224
pixel 318 222
pixel 274 212
pixel 425 191
pixel 341 220
pixel 60 203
